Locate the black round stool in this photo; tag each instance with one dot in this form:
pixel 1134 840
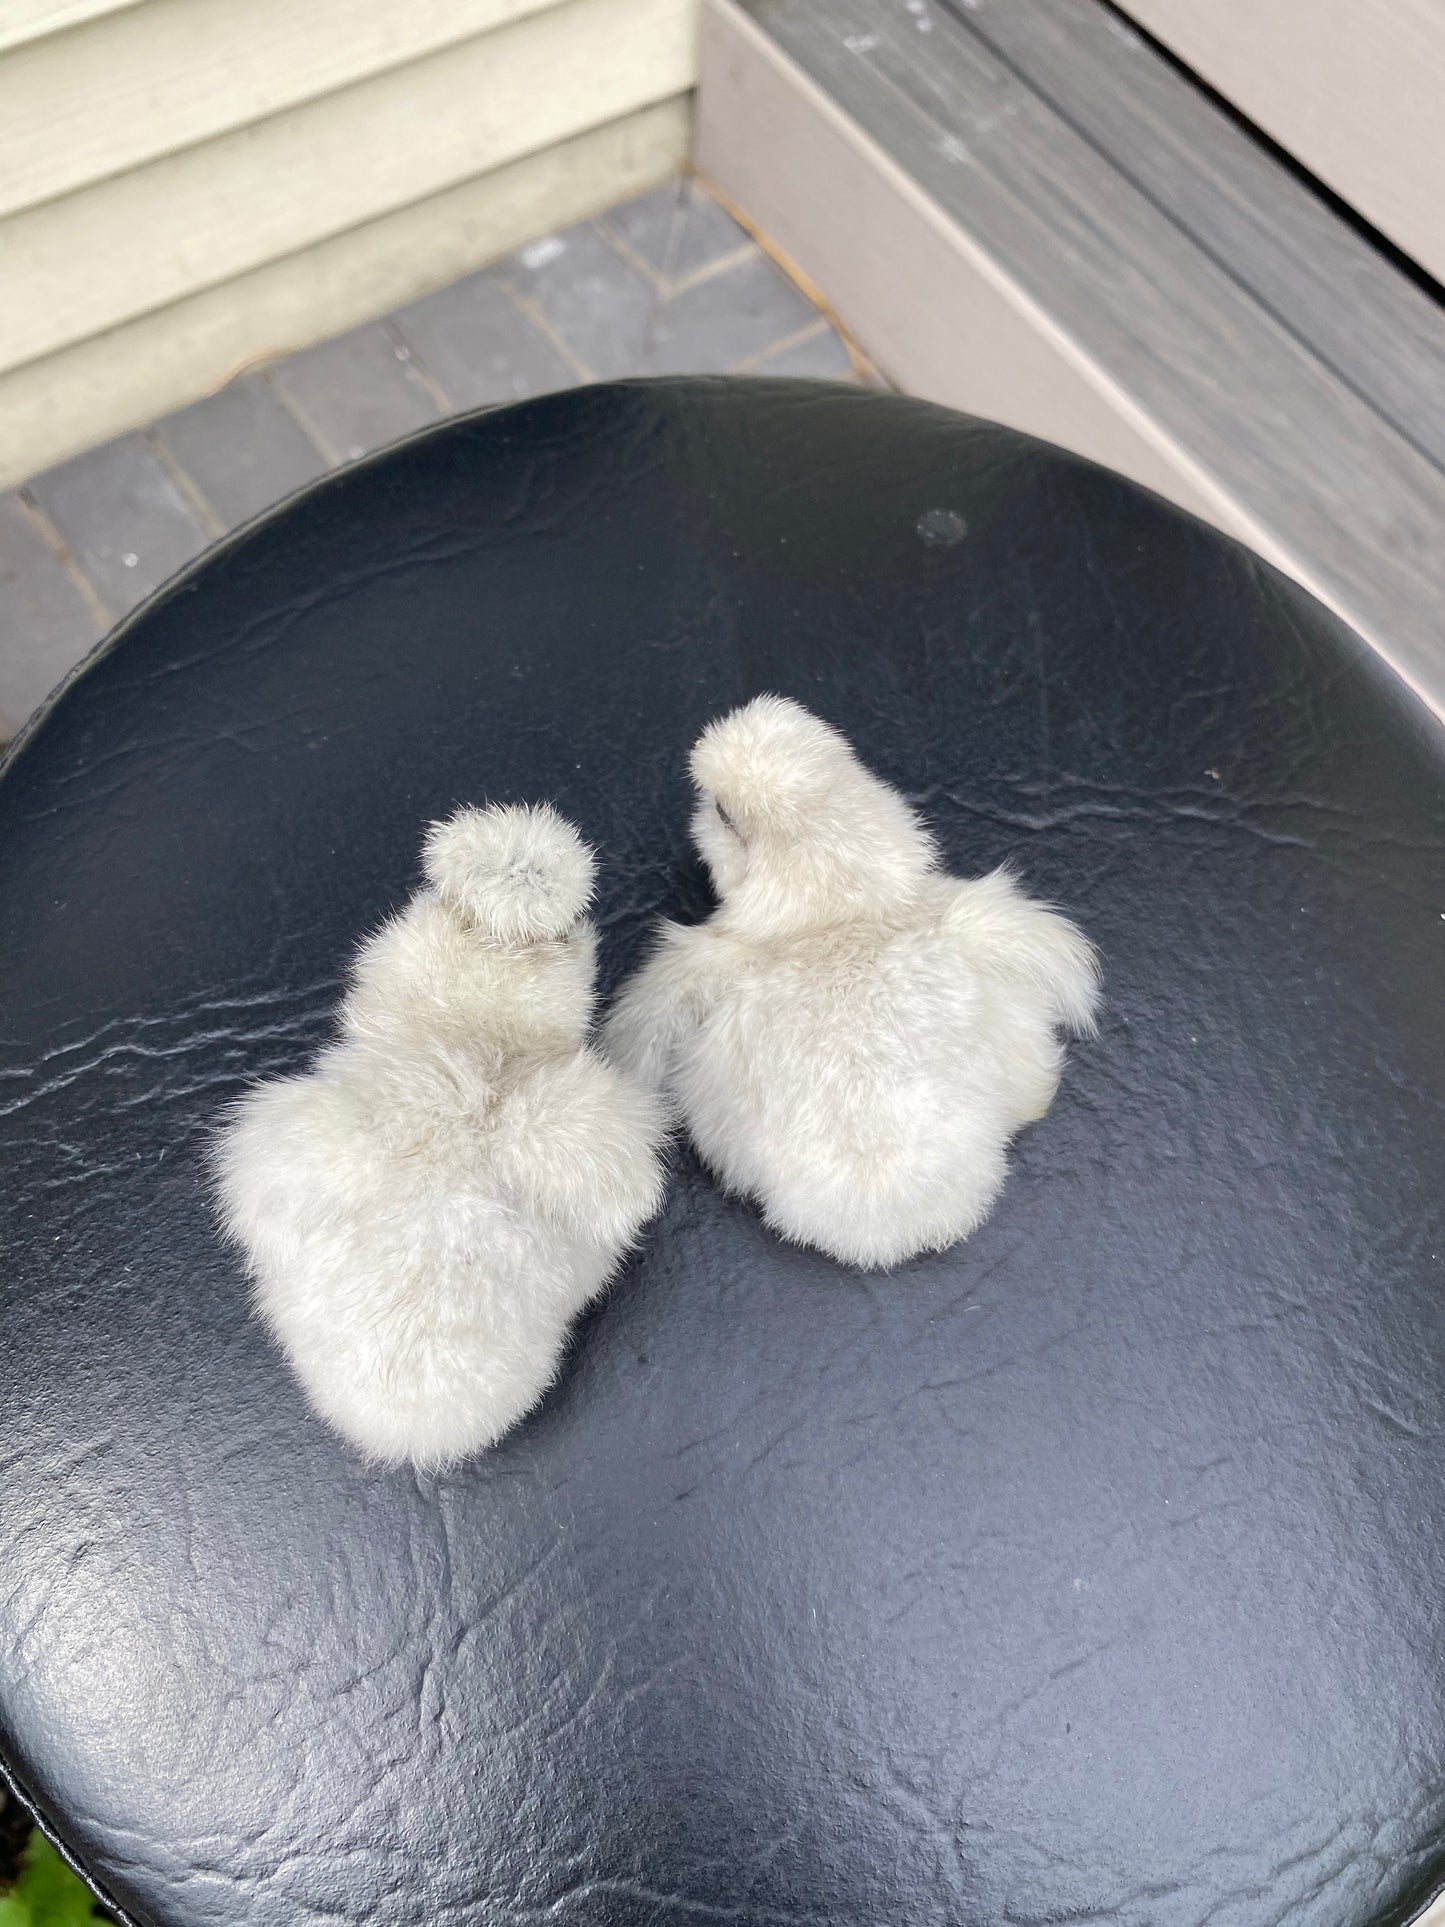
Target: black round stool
pixel 1091 1572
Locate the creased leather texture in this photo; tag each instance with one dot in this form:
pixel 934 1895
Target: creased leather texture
pixel 1089 1572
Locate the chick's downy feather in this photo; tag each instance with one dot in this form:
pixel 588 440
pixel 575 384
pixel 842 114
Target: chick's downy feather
pixel 427 1208
pixel 854 1037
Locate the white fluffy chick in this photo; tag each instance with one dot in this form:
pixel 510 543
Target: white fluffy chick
pixel 854 1036
pixel 428 1207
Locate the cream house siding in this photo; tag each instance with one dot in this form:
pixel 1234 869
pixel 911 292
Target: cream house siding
pixel 190 184
pixel 25 20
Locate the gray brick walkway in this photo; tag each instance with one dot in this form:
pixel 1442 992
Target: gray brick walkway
pixel 667 284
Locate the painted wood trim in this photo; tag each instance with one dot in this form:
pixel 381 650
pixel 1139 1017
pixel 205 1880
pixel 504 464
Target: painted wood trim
pixel 22 21
pixel 1352 88
pixel 143 240
pixel 54 408
pixel 153 79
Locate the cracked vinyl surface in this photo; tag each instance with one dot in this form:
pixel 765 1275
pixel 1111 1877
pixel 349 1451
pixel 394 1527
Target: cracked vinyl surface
pixel 1091 1571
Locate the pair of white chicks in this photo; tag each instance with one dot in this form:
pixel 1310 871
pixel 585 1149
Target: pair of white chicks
pixel 851 1039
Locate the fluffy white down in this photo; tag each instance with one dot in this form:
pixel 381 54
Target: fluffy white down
pixel 427 1208
pixel 853 1037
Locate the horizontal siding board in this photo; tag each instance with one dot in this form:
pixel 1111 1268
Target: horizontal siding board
pixel 153 79
pixel 120 380
pixel 22 21
pixel 1353 88
pixel 103 256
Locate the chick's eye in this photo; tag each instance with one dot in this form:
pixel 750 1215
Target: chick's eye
pixel 726 820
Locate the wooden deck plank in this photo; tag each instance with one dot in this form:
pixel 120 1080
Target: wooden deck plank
pixel 937 315
pixel 1382 334
pixel 1351 87
pixel 1274 427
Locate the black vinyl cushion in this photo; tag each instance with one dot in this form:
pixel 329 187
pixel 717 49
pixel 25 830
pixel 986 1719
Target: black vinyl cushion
pixel 1089 1572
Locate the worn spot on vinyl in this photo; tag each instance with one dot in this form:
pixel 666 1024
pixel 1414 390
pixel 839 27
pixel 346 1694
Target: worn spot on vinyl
pixel 941 528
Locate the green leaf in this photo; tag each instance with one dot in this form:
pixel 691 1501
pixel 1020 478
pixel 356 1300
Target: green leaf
pixel 47 1894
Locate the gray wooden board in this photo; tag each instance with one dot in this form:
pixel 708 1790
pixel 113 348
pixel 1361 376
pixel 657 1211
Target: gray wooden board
pixel 1276 427
pixel 1379 331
